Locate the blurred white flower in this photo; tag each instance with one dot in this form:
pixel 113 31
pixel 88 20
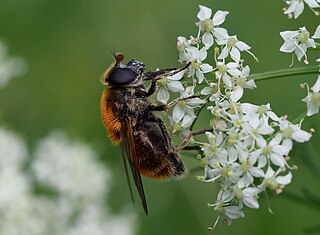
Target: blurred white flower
pixel 78 189
pixel 13 151
pixel 65 166
pixel 10 67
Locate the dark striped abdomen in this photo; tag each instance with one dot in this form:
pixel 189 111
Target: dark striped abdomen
pixel 156 158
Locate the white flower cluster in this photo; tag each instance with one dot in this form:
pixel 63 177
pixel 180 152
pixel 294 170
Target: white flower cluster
pixel 299 41
pixel 246 153
pixel 296 7
pixel 71 193
pixel 231 76
pixel 10 67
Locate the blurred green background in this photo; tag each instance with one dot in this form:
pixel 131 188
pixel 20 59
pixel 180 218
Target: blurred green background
pixel 66 45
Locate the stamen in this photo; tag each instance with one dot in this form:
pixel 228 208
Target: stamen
pixel 214 225
pixel 305 55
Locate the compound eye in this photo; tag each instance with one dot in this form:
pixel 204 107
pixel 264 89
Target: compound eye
pixel 122 76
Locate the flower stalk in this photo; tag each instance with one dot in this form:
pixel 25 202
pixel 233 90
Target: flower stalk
pixel 285 73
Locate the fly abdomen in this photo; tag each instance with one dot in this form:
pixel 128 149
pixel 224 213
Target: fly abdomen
pixel 156 158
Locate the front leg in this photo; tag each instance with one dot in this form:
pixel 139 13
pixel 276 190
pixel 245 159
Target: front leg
pixel 156 75
pixel 152 88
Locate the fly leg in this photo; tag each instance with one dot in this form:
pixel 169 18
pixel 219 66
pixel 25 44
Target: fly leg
pixel 195 147
pixel 185 142
pixel 156 75
pixel 165 107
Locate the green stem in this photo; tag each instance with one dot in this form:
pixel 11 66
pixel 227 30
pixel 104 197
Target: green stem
pixel 300 200
pixel 317 45
pixel 285 73
pixel 300 117
pixel 194 121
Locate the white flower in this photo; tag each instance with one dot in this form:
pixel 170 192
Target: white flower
pixel 171 83
pixel 241 82
pixel 182 44
pixel 247 167
pixel 274 151
pixel 208 25
pixel 225 71
pixel 274 181
pixel 182 127
pixel 231 45
pixel 248 196
pixel 197 67
pixel 213 147
pixel 212 91
pixel 230 212
pixel 254 114
pixel 296 7
pixel 186 106
pixel 313 98
pixel 254 135
pixel 294 132
pixel 297 41
pixel 220 164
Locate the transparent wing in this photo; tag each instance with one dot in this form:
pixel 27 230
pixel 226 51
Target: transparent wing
pixel 130 157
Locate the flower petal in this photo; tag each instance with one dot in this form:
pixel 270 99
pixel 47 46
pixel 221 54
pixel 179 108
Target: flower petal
pixel 204 13
pixel 301 136
pixel 163 95
pixel 175 86
pixel 177 76
pixel 207 39
pixel 316 34
pixel 236 94
pixel 316 86
pixel 177 113
pixel 219 17
pixel 284 179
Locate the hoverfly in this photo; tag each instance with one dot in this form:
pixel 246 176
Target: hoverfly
pixel 128 117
